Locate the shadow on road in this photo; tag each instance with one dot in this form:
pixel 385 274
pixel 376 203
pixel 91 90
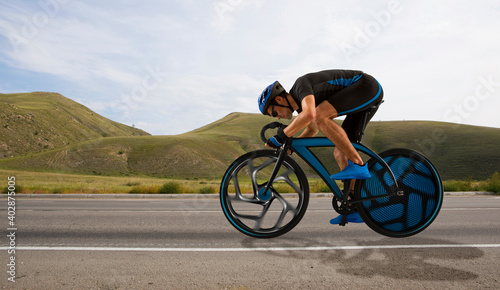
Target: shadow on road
pixel 425 264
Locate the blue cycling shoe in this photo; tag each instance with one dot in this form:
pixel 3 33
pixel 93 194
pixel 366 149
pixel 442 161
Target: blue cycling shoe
pixel 352 171
pixel 350 218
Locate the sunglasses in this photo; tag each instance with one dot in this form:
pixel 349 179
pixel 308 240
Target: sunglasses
pixel 273 112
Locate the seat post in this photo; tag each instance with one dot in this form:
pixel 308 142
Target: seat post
pixel 365 119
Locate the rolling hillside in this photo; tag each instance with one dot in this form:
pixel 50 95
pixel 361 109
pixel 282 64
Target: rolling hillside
pixel 35 122
pixel 458 151
pixel 204 153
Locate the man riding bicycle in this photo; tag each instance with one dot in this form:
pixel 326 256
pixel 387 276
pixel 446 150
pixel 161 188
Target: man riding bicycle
pixel 319 98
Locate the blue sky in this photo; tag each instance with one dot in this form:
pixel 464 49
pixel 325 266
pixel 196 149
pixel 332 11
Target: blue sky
pixel 169 67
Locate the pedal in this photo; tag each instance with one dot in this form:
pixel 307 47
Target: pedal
pixel 343 222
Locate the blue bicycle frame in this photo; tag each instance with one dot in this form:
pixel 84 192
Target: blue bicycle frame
pixel 301 147
pixel 389 207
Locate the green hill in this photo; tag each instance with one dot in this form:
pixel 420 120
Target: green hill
pixel 458 151
pixel 203 153
pixel 35 122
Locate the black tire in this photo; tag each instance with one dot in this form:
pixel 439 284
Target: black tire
pixel 401 215
pixel 247 206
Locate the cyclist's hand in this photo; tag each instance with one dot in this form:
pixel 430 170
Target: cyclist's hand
pixel 277 140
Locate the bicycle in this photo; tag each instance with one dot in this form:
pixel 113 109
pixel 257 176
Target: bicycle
pixel 265 193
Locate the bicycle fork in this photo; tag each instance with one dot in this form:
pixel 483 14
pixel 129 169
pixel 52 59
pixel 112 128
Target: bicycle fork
pixel 281 152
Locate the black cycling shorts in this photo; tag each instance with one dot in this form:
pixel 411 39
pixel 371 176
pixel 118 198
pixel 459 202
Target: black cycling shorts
pixel 353 101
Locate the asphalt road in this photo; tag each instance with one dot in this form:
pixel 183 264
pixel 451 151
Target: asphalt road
pixel 188 243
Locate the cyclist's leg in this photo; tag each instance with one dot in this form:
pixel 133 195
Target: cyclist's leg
pixel 351 101
pixel 354 101
pixel 353 125
pixel 325 113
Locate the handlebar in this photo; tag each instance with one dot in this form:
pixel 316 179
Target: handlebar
pixel 272 125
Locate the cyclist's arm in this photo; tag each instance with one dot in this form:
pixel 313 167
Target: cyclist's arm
pixel 310 131
pixel 304 119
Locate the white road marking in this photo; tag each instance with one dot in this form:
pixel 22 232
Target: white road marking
pixel 271 249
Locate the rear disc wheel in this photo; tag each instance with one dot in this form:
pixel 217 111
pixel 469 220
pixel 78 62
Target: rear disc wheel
pixel 404 214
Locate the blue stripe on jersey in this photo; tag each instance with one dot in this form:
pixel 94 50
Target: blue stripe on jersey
pixel 344 82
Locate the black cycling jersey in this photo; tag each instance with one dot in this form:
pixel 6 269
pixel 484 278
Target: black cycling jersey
pixel 348 91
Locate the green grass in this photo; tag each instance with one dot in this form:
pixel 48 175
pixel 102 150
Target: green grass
pixel 171 187
pixel 43 183
pixel 493 184
pixel 490 185
pixel 208 189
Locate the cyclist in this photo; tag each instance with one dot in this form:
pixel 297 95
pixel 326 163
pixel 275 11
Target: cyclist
pixel 319 98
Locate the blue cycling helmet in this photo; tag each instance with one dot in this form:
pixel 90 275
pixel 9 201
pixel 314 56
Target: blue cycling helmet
pixel 268 95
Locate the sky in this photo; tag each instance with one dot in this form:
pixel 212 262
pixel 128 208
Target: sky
pixel 169 67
